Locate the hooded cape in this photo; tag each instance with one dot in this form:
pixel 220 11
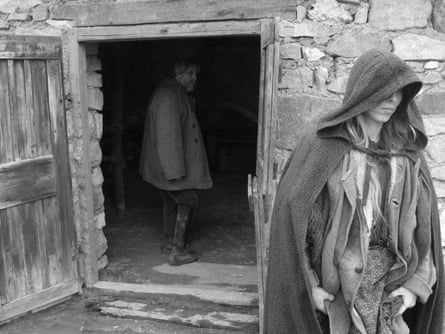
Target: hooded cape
pixel 375 76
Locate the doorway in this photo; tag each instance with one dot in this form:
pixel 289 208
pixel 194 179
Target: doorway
pixel 222 231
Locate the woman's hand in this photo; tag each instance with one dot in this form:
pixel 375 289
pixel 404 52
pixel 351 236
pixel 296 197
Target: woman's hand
pixel 408 297
pixel 319 296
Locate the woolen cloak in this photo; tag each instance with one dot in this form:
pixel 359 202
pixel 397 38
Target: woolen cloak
pixel 173 155
pixel 288 305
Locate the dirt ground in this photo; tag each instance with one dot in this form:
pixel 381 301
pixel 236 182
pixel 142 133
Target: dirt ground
pixel 222 229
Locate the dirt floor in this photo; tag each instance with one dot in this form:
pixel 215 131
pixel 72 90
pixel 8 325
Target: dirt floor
pixel 222 231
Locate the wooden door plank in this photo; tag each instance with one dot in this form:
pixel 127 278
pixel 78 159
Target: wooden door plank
pixel 10 284
pixel 3 266
pixel 26 118
pixel 60 151
pixel 18 107
pixel 155 11
pixel 53 242
pixel 33 255
pixel 41 107
pixel 40 221
pixel 38 300
pixel 6 138
pixel 26 181
pixel 31 47
pixel 14 217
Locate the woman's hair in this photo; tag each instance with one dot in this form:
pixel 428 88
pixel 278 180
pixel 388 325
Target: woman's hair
pixel 395 135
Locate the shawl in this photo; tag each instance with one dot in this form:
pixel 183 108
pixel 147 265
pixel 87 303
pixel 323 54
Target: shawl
pixel 374 77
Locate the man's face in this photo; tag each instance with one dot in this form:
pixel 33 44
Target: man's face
pixel 187 78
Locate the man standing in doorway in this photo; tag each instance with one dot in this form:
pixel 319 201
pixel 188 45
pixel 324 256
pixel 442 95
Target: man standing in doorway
pixel 173 157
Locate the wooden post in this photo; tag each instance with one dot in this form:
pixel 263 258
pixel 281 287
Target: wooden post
pixel 118 127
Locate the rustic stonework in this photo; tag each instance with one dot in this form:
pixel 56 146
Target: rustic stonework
pixel 438 17
pixel 290 51
pixel 300 78
pixel 432 103
pixel 11 6
pixel 357 40
pixel 312 54
pixel 399 14
pixel 298 111
pixel 436 148
pixel 434 125
pixel 329 10
pixel 317 30
pixel 418 47
pixel 361 16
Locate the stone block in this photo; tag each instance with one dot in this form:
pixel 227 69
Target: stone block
pixel 312 54
pixel 436 148
pixel 40 13
pixel 301 13
pixel 361 16
pixel 98 121
pixel 93 63
pixel 19 17
pixel 98 200
pixel 316 30
pixel 102 262
pixel 330 11
pixel 290 51
pixel 432 103
pixel 95 98
pixel 399 15
pixel 438 173
pixel 101 242
pixel 94 79
pixel 434 125
pixel 431 65
pixel 338 85
pixel 438 16
pixel 100 220
pixel 300 78
pixel 97 177
pixel 11 6
pixel 439 186
pixel 418 47
pixel 296 112
pixel 430 77
pixel 95 153
pixel 357 40
pixel 321 75
pixel 416 66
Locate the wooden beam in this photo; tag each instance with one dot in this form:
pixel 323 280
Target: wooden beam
pixel 220 296
pixel 26 181
pixel 105 13
pixel 170 30
pixel 38 300
pixel 22 46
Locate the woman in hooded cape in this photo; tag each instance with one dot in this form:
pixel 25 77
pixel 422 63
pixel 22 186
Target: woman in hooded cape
pixel 355 236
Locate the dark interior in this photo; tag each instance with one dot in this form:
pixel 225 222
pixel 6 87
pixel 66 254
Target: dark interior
pixel 222 230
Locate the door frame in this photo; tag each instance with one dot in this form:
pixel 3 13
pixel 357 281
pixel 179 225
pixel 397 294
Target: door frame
pixel 75 40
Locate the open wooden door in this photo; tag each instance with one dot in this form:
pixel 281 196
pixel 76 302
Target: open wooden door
pixel 38 264
pixel 261 188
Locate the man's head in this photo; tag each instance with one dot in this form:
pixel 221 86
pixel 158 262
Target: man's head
pixel 185 72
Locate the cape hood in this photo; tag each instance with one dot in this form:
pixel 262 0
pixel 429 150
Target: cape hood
pixel 375 76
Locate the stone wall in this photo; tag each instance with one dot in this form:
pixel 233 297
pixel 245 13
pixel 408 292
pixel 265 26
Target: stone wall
pixel 319 46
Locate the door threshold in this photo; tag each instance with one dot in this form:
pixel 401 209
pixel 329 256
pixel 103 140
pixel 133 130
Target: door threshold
pixel 219 295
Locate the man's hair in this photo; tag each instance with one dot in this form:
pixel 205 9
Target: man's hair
pixel 183 62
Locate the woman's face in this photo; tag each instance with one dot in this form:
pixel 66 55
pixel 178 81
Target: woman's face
pixel 383 112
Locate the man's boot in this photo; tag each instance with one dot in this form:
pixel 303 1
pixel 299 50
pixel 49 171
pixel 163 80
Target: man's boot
pixel 180 253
